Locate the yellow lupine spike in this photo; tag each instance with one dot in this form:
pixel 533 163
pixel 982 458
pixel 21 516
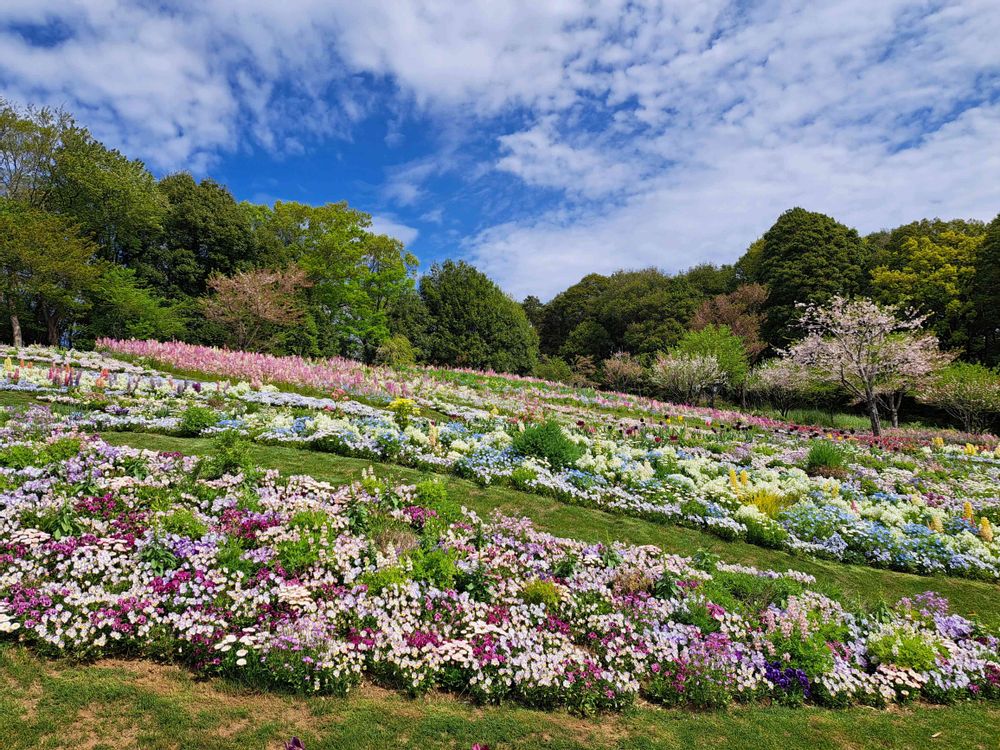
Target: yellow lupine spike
pixel 937 524
pixel 744 478
pixel 986 530
pixel 732 479
pixel 967 511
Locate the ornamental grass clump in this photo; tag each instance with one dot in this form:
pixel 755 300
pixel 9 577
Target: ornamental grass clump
pixel 548 442
pixel 826 460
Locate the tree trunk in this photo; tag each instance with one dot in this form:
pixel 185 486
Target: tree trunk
pixel 52 324
pixel 873 415
pixel 15 326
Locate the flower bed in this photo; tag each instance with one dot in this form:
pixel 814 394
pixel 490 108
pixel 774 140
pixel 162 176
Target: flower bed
pixel 296 584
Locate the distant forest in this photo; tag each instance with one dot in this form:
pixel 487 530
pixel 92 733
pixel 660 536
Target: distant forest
pixel 92 244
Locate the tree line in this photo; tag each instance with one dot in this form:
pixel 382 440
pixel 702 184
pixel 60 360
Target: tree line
pixel 92 244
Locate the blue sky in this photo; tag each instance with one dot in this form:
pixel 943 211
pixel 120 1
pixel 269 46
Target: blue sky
pixel 542 141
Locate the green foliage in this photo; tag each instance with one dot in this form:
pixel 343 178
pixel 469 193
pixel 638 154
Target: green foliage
pixel 825 458
pixel 474 323
pixel 232 454
pixel 196 419
pixel 22 456
pixel 121 306
pixel 906 649
pixel 541 592
pixel 297 555
pixel 806 257
pixel 720 342
pixel 436 567
pixel 159 557
pixel 554 369
pixel 547 441
pixel 61 522
pixel 396 351
pixel 380 580
pixel 184 522
pixel 230 557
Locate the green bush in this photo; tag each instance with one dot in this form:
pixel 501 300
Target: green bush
pixel 380 580
pixel 825 459
pixel 297 555
pixel 195 420
pixel 549 442
pixel 396 351
pixel 231 456
pixel 436 567
pixel 183 522
pixel 541 592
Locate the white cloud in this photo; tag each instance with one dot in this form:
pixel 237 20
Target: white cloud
pixel 674 132
pixel 393 228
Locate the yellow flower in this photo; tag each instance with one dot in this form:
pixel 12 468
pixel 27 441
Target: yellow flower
pixel 967 511
pixel 937 525
pixel 986 530
pixel 744 478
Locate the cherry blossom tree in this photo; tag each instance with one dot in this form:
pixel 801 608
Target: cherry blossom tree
pixel 968 392
pixel 870 350
pixel 686 377
pixel 782 383
pixel 621 371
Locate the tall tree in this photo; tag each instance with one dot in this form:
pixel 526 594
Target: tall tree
pixel 114 200
pixel 29 140
pixel 205 231
pixel 473 323
pixel 45 265
pixel 986 296
pixel 806 257
pixel 356 276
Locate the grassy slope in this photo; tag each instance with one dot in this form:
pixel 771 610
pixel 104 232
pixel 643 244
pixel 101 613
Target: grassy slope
pixel 57 704
pixel 119 704
pixel 854 582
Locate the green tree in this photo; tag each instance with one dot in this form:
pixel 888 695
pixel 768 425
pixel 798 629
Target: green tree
pixel 121 307
pixel 45 265
pixel 205 231
pixel 473 323
pixel 357 277
pixel 806 257
pixel 535 310
pixel 720 342
pixel 29 140
pixel 985 296
pixel 934 276
pixel 114 200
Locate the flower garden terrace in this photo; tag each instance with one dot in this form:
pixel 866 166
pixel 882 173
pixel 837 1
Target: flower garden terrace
pixel 515 395
pixel 296 584
pixel 926 510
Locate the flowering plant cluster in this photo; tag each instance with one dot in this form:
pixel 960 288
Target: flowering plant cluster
pixel 922 507
pixel 293 583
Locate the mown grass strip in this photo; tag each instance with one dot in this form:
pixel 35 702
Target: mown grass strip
pixel 125 704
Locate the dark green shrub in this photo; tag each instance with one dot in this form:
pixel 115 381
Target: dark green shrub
pixel 548 441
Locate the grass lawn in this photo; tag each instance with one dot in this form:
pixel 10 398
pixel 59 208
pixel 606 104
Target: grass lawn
pixel 124 704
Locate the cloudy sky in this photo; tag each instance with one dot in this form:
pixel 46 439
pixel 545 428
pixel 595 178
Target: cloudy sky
pixel 542 140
